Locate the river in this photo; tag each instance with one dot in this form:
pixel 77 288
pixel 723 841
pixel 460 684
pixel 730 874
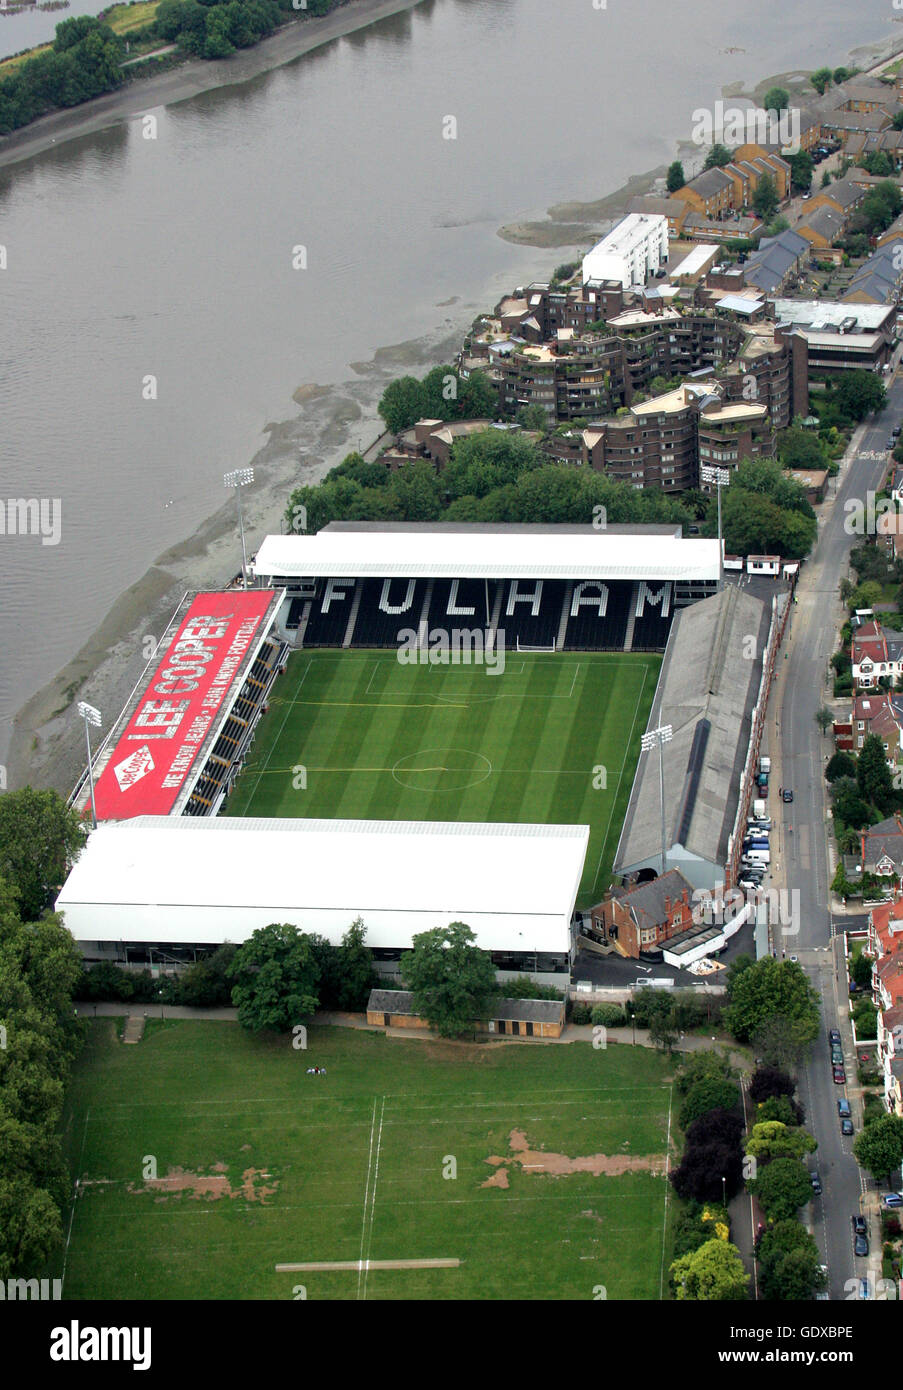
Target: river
pixel 155 314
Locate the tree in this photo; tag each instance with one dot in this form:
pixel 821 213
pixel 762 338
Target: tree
pixel 783 1108
pixel 414 492
pixel 777 1043
pixel 801 169
pixel 206 984
pixel 276 977
pixel 39 839
pixel 662 1031
pixel 771 989
pixel 400 404
pixel 776 99
pixel 821 79
pixel 789 1262
pixel 879 1147
pixel 713 1273
pixel 781 1188
pixel 873 776
pixel 218 43
pixel 701 1170
pixel 770 1081
pixel 479 399
pixel 354 969
pixel 857 393
pixel 719 1125
pixel 675 178
pixel 451 979
pixel 824 718
pixel 717 157
pixel 861 969
pixel 848 806
pixel 765 198
pixel 769 1139
pixel 840 764
pixel 533 417
pixel 710 1093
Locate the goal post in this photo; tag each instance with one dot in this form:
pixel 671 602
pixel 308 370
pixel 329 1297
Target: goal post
pixel 549 647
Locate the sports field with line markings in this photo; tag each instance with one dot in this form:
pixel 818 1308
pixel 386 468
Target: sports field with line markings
pixel 354 1167
pixel 357 735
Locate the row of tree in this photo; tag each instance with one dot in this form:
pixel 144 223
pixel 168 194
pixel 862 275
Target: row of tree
pixel 85 59
pixel 39 1034
pixel 281 975
pixel 493 476
pixel 498 476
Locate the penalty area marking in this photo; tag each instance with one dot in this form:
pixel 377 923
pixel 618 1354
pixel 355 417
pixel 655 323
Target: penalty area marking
pixel 357 1266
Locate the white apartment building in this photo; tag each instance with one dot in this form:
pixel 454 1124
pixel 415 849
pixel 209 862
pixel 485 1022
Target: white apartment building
pixel 632 251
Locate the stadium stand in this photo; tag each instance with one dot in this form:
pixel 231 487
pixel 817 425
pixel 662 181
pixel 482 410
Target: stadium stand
pixel 387 607
pixel 598 616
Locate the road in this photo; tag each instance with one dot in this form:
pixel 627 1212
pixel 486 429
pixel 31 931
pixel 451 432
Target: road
pixel 801 854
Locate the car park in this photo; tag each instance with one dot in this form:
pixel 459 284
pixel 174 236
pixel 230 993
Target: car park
pixel 787 794
pixel 843 1109
pixel 846 1126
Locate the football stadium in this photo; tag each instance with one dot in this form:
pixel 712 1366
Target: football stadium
pixel 411 723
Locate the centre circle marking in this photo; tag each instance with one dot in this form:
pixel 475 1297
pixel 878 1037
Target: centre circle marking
pixel 442 769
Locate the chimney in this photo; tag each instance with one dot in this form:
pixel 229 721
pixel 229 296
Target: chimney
pixel 686 897
pixel 667 906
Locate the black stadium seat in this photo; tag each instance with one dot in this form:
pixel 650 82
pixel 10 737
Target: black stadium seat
pixel 598 615
pixel 376 625
pixel 517 618
pixel 330 610
pixel 654 610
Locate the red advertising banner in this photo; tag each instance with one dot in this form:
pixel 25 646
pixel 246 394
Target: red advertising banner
pixel 158 746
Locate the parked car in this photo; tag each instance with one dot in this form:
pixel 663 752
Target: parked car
pixel 859 1226
pixel 892 1199
pixel 861 1245
pixel 843 1109
pixel 816 1184
pixel 840 1076
pixel 834 1036
pixel 846 1126
pixel 837 1054
pixel 787 794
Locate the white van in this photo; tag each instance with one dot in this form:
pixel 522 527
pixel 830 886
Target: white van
pixel 756 856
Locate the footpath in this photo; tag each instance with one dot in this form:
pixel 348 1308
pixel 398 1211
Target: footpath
pixel 573 1032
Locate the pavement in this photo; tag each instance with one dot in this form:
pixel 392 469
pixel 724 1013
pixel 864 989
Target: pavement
pixel 574 1032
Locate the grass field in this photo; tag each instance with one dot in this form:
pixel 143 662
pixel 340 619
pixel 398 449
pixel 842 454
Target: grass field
pixel 553 740
pixel 349 1166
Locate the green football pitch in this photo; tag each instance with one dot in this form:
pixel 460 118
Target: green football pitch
pixel 207 1157
pixel 552 739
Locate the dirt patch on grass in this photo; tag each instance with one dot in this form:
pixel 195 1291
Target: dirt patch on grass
pixel 560 1165
pixel 212 1185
